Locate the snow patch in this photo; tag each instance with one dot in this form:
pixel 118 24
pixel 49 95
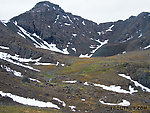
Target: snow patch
pixel 4 22
pixel 123 103
pixel 34 80
pixel 147 47
pixel 86 84
pixel 28 101
pixel 7 57
pixel 74 35
pixel 140 35
pixel 63 103
pixel 82 99
pixel 21 34
pixel 127 39
pixel 114 88
pixel 85 56
pixel 110 28
pixel 73 108
pixel 83 23
pixel 71 82
pixel 46 5
pixel 44 64
pixel 101 44
pixel 124 52
pixel 92 46
pixel 43 44
pixel 99 33
pixel 8 69
pixel 64 16
pixel 74 49
pixel 54 8
pixel 69 19
pixel 3 47
pixel 56 19
pixel 135 82
pixel 67 24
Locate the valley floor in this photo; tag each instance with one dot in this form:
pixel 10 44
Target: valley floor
pixel 118 84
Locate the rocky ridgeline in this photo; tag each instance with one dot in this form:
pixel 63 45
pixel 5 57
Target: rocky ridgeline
pixel 49 27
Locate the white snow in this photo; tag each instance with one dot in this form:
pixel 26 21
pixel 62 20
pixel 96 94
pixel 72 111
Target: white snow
pixel 71 82
pixel 92 46
pixel 127 39
pixel 123 103
pixel 64 16
pixel 21 35
pixel 54 8
pixel 4 22
pixel 8 69
pixel 101 44
pixel 147 47
pixel 34 80
pixel 3 47
pixel 28 101
pixel 113 88
pixel 83 23
pixel 63 103
pixel 74 49
pixel 91 38
pixel 69 19
pixel 34 34
pixel 46 5
pixel 65 51
pixel 57 63
pixel 124 52
pixel 140 35
pixel 132 90
pixel 67 24
pixel 74 35
pixel 86 84
pixel 43 44
pixel 63 65
pixel 56 19
pixel 135 82
pixel 83 99
pixel 73 108
pixel 110 28
pixel 99 33
pixel 17 58
pixel 7 57
pixel 85 56
pixel 44 64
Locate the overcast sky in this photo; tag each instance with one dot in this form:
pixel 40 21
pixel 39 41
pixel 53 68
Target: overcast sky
pixel 96 10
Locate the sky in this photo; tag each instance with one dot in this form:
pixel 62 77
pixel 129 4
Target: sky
pixel 99 11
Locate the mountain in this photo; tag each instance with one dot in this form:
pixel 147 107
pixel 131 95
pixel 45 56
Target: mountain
pixel 70 34
pixel 129 35
pixel 40 64
pixel 49 27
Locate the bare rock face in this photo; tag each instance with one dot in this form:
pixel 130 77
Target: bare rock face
pixel 54 25
pixel 77 35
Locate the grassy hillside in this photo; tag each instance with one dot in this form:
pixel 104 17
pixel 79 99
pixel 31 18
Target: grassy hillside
pixel 99 70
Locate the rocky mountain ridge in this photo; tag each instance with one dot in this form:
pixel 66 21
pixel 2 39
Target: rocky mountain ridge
pixel 49 27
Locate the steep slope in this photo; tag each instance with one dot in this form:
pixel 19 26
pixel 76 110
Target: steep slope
pixel 50 27
pixel 69 33
pixel 124 36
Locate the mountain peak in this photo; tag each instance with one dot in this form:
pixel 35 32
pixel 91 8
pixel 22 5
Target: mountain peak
pixel 45 5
